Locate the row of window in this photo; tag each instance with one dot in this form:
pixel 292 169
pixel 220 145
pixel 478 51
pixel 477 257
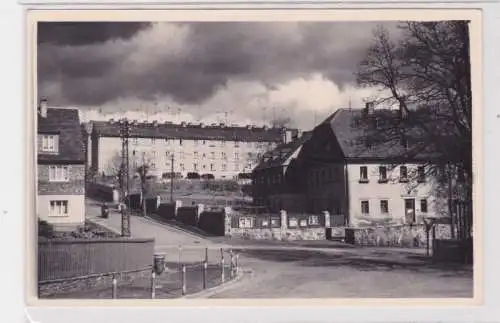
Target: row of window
pixel 198 167
pixel 197 155
pixel 384 206
pixel 382 171
pixel 210 143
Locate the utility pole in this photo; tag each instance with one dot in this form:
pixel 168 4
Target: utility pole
pixel 124 182
pixel 143 184
pixel 172 179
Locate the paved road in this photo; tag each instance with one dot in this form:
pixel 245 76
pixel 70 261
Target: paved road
pixel 164 235
pixel 310 270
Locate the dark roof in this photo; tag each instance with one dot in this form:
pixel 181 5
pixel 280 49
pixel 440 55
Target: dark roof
pixel 187 131
pixel 352 130
pixel 65 123
pixel 279 155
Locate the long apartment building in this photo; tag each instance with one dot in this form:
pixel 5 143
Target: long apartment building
pixel 222 150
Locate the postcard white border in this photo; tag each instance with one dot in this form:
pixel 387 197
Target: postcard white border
pixel 477 78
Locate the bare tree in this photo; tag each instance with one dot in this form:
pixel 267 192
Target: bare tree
pixel 426 74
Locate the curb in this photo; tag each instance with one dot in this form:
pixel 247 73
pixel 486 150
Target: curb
pixel 219 288
pixel 104 226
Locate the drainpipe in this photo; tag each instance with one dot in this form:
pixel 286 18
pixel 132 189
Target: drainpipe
pixel 347 215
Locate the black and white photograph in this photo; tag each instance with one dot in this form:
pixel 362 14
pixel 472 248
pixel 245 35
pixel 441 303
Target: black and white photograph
pixel 255 159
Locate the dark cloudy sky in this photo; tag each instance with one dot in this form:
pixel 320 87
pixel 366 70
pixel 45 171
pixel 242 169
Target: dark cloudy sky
pixel 200 71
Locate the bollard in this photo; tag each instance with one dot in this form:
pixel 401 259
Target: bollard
pixel 222 265
pixel 183 280
pixel 205 269
pixel 153 285
pixel 115 283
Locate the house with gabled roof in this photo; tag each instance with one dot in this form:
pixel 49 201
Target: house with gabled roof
pixel 60 167
pixel 367 182
pixel 278 179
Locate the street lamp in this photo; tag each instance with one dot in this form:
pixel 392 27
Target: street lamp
pixel 429 223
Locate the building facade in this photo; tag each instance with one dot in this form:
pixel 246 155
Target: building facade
pixel 60 167
pixel 217 149
pixel 278 179
pixel 366 183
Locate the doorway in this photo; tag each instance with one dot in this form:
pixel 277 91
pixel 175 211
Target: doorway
pixel 410 210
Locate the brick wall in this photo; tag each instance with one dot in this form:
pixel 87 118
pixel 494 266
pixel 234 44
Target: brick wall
pixel 75 186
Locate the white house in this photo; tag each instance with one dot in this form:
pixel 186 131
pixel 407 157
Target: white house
pixel 369 183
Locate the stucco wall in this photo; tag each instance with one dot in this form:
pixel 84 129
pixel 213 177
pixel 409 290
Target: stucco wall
pixel 393 191
pixel 76 209
pixel 155 152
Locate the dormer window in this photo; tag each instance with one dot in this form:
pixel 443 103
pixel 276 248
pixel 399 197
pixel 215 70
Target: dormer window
pixel 49 143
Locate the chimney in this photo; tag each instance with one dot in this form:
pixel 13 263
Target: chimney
pixel 287 136
pixel 369 108
pixel 42 108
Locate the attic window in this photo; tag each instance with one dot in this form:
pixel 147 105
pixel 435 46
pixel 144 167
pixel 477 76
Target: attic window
pixel 49 143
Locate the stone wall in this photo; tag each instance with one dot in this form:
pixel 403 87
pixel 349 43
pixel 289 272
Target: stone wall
pixel 278 234
pixel 75 185
pixel 47 289
pixel 395 236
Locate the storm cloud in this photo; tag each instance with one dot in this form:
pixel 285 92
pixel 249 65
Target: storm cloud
pixel 200 67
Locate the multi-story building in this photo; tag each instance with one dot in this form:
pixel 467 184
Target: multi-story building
pixel 60 167
pixel 278 179
pixel 368 184
pixel 218 149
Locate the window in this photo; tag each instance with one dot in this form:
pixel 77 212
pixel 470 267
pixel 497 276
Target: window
pixel 223 155
pixel 403 174
pixel 195 167
pixel 49 143
pixel 180 142
pixel 181 166
pixel 212 155
pixel 382 171
pixel 133 152
pixel 313 220
pixel 236 156
pixel 153 165
pixel 203 156
pixel 250 155
pixel 154 153
pixel 203 142
pixel 166 141
pixel 223 167
pixel 204 166
pixel 423 206
pixel 384 206
pixel 196 155
pixel 135 141
pixel 236 167
pixel 212 167
pixel 196 142
pixel 153 141
pixel 365 207
pixel 421 174
pixel 259 155
pixel 58 173
pixel 223 143
pixel 246 222
pixel 58 208
pixel 363 174
pixel 236 144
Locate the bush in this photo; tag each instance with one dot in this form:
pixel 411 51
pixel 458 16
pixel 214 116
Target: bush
pixel 193 175
pixel 45 229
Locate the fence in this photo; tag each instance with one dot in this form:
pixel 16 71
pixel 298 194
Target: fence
pixel 184 271
pixel 63 259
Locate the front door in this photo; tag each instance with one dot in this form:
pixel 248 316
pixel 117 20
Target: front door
pixel 410 210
